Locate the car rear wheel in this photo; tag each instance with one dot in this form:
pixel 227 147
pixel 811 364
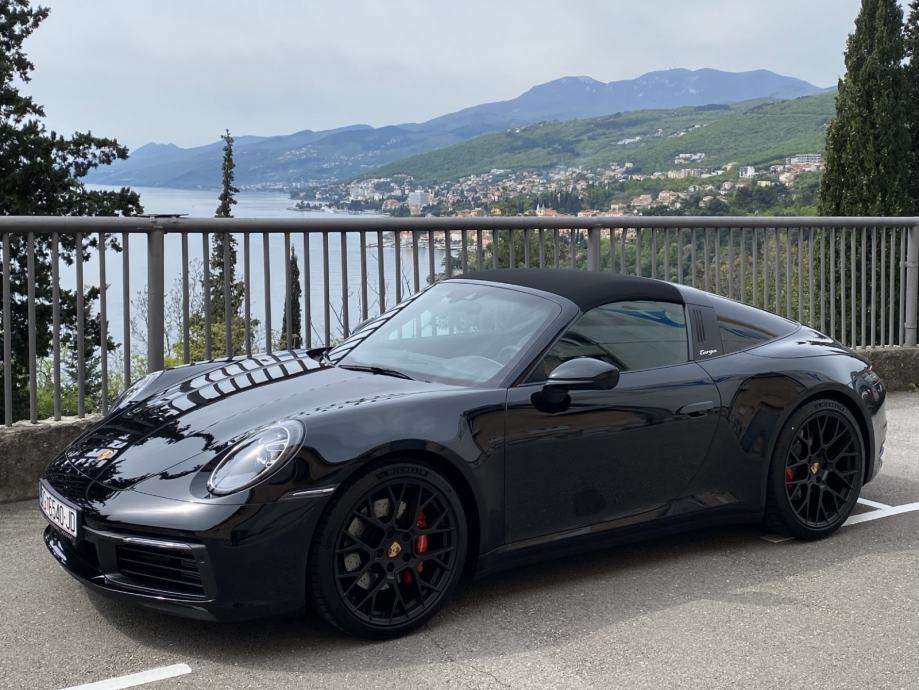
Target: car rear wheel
pixel 389 551
pixel 817 471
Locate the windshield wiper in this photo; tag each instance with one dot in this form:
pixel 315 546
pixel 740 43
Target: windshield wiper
pixel 382 371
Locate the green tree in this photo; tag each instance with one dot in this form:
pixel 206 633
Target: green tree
pixel 868 156
pixel 40 174
pixel 223 246
pixel 222 271
pixel 227 198
pixel 296 317
pixel 912 75
pixel 503 241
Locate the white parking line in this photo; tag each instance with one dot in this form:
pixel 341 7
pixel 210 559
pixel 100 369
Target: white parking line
pixel 885 512
pixel 872 504
pixel 134 679
pixel 882 510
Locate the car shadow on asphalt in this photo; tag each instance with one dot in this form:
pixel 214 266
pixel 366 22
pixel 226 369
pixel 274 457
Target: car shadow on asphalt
pixel 548 604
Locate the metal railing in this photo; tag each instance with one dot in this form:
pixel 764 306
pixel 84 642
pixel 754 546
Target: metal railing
pixel 856 279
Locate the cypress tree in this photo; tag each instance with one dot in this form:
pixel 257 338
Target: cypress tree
pixel 912 75
pixel 221 271
pixel 227 198
pixel 868 160
pixel 296 321
pixel 223 256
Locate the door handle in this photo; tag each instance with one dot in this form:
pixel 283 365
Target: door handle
pixel 696 409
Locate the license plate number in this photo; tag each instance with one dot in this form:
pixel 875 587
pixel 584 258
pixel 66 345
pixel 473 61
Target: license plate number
pixel 58 512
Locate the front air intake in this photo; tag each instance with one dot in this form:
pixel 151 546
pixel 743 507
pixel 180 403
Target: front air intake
pixel 162 569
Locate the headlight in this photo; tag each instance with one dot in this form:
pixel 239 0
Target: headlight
pixel 256 457
pixel 136 388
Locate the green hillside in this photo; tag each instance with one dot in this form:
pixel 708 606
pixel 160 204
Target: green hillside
pixel 750 133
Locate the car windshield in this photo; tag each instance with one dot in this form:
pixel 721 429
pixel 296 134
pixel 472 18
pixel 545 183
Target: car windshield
pixel 455 332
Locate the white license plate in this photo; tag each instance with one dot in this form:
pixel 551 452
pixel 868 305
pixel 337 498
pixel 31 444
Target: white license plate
pixel 58 512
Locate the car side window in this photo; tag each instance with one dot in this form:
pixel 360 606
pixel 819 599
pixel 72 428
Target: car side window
pixel 743 327
pixel 630 335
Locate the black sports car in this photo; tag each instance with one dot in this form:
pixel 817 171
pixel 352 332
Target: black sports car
pixel 489 420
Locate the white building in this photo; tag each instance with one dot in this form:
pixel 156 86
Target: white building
pixel 805 159
pixel 747 171
pixel 364 191
pixel 417 200
pixel 688 158
pixel 357 192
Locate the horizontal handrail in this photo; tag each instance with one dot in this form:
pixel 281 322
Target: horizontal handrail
pixel 352 223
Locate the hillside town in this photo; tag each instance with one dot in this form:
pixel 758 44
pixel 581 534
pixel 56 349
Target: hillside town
pixel 617 189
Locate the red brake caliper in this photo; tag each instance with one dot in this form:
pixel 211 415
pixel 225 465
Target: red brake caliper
pixel 421 546
pixel 789 474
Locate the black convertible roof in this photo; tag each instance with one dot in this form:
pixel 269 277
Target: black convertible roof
pixel 587 289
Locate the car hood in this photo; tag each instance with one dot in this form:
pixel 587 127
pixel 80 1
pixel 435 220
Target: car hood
pixel 204 413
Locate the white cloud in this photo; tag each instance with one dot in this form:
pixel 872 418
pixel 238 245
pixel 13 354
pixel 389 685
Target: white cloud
pixel 182 71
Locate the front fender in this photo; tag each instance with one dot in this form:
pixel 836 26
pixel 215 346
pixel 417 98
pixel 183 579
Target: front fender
pixel 462 429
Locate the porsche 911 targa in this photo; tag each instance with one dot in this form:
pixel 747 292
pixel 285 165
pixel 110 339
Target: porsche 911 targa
pixel 488 421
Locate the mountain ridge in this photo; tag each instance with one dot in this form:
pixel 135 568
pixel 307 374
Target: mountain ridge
pixel 754 132
pixel 312 157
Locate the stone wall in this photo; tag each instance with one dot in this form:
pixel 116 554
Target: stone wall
pixel 898 366
pixel 26 449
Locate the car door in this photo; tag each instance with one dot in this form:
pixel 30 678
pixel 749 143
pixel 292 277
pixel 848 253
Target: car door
pixel 604 455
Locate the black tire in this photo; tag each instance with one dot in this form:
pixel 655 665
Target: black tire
pixel 816 472
pixel 388 551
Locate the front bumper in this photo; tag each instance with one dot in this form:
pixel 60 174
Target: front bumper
pixel 229 563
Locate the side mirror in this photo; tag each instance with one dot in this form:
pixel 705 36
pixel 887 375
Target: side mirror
pixel 317 353
pixel 582 374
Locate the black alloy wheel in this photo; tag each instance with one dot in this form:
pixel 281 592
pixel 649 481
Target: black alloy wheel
pixel 392 548
pixel 817 471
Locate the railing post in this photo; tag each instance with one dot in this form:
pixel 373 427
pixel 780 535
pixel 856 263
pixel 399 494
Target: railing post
pixel 912 286
pixel 155 287
pixel 593 249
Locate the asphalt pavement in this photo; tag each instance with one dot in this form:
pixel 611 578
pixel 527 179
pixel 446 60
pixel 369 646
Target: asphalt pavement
pixel 717 608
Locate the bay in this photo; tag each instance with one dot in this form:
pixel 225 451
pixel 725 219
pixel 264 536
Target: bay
pixel 202 204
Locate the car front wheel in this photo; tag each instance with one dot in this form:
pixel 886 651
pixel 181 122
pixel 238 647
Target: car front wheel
pixel 389 551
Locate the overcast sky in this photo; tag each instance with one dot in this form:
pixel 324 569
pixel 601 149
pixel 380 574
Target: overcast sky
pixel 182 70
